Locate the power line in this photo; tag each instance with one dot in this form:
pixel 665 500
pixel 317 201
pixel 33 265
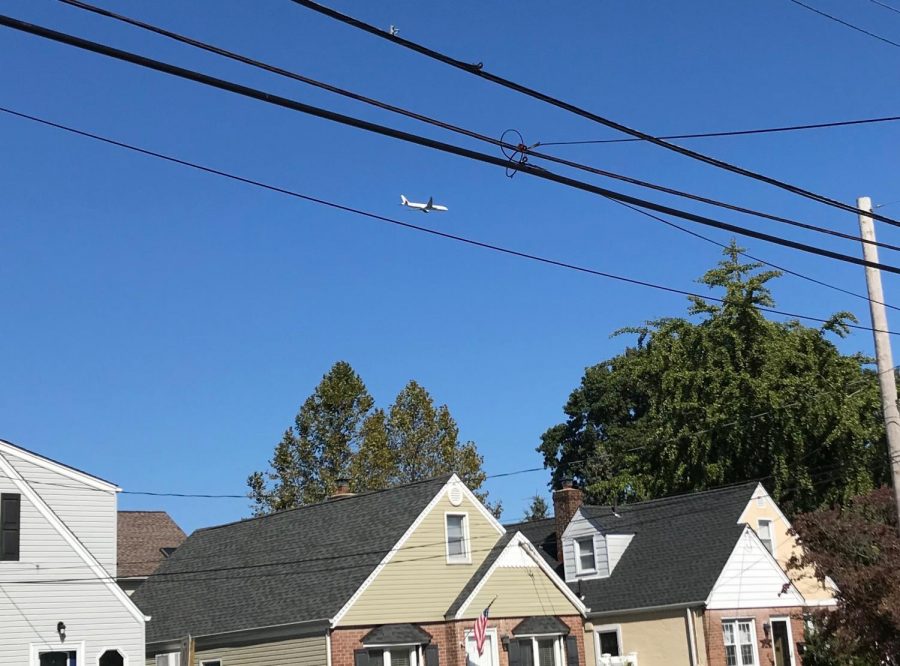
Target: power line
pixel 885 5
pixel 845 23
pixel 478 70
pixel 408 225
pixel 383 130
pixel 454 128
pixel 708 135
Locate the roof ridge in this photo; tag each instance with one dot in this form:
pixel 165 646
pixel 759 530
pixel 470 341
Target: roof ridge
pixel 529 522
pixel 343 500
pixel 708 491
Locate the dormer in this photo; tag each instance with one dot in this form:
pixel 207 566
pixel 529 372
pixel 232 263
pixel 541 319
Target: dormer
pixel 589 552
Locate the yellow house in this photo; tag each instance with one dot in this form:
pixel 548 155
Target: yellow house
pixel 692 580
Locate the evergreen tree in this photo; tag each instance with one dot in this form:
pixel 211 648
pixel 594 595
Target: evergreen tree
pixel 537 510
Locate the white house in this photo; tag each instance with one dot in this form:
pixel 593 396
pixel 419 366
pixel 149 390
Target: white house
pixel 59 601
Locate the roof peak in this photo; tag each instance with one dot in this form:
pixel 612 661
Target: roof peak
pixel 709 491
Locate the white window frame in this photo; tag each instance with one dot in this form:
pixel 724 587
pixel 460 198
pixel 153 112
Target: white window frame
pixel 122 652
pixel 35 650
pixel 608 629
pixel 735 621
pixel 771 538
pixel 557 647
pixel 456 559
pixel 576 547
pixel 209 662
pixel 790 635
pixel 168 656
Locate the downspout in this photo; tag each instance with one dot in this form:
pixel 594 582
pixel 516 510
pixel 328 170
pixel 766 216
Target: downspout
pixel 692 637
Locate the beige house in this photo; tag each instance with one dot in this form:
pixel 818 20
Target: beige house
pixel 389 578
pixel 693 580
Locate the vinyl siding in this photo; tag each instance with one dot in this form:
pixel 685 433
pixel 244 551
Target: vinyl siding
pixel 95 618
pixel 88 512
pixel 751 579
pixel 616 545
pixel 311 651
pixel 579 528
pixel 418 585
pixel 520 592
pixel 785 547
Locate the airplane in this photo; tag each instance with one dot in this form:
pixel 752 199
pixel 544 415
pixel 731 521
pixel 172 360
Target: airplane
pixel 424 207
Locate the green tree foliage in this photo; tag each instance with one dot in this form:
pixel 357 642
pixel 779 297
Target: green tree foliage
pixel 338 433
pixel 723 396
pixel 857 547
pixel 538 509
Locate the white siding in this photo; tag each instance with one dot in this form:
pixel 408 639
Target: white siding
pixel 579 528
pixel 88 512
pixel 752 579
pixel 616 545
pixel 51 583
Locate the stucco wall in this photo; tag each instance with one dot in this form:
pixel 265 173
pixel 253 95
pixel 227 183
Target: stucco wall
pixel 660 638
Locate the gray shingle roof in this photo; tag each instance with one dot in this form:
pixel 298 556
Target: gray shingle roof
pixel 535 626
pixel 396 634
pixel 680 546
pixel 287 567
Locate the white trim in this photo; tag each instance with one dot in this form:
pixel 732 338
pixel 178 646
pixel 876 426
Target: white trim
pixel 35 649
pixel 737 638
pixel 519 540
pixel 467 542
pixel 692 637
pixel 59 468
pixel 576 547
pixel 771 522
pixel 761 492
pixel 217 660
pixel 607 629
pixel 327 648
pixel 409 532
pixel 495 639
pixel 76 545
pixel 790 636
pixel 106 649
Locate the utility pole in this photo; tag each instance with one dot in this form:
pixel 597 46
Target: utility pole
pixel 883 355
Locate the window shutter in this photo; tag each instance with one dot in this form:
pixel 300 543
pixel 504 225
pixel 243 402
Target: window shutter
pixel 10 517
pixel 360 658
pixel 515 657
pixel 571 651
pixel 431 656
pixel 526 652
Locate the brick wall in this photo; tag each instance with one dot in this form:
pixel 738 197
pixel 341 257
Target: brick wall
pixel 449 637
pixel 715 641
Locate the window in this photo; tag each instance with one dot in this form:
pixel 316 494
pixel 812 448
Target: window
pixel 740 643
pixel 585 558
pixel 112 658
pixel 765 534
pixel 543 650
pixel 608 640
pixel 58 659
pixel 457 538
pixel 170 659
pixel 402 655
pixel 10 510
pixel 214 662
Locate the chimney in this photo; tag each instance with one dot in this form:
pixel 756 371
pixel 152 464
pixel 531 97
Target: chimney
pixel 566 501
pixel 343 489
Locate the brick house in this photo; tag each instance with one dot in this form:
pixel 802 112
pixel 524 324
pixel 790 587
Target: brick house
pixel 387 578
pixel 693 580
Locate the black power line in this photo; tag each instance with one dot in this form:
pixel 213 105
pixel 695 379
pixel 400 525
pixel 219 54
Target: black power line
pixel 845 23
pixel 478 70
pixel 454 128
pixel 389 107
pixel 708 135
pixel 408 225
pixel 886 6
pixel 358 123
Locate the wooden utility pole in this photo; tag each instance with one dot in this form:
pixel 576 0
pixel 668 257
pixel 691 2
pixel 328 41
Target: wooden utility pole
pixel 883 354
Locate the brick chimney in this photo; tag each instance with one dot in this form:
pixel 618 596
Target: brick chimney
pixel 566 501
pixel 343 489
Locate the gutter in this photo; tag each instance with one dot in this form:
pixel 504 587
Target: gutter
pixel 247 636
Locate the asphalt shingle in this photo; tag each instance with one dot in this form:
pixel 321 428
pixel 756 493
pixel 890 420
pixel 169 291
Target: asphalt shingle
pixel 141 538
pixel 292 566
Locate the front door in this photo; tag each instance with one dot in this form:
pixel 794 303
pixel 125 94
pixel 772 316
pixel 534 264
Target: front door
pixel 489 655
pixel 781 643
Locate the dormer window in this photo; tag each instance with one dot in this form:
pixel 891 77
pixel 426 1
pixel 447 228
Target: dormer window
pixel 585 556
pixel 457 527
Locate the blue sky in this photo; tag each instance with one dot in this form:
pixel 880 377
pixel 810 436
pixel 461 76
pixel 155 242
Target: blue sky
pixel 161 326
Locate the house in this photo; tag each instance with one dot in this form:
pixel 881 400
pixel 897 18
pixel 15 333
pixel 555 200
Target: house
pixel 693 580
pixel 145 539
pixel 59 601
pixel 387 578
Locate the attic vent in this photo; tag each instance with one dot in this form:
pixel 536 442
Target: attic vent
pixel 455 494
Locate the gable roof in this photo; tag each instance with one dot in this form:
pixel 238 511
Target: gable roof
pixel 293 566
pixel 140 538
pixel 680 546
pixel 542 625
pixel 56 466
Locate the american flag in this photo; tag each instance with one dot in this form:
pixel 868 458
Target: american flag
pixel 481 630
